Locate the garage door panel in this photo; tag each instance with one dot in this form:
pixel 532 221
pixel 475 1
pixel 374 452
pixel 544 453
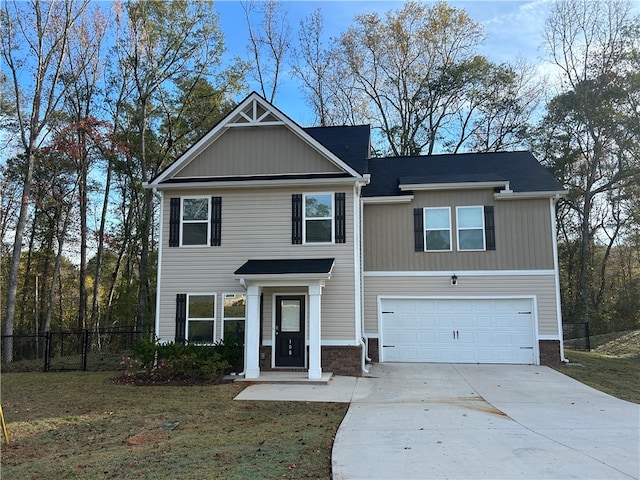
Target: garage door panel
pixel 458 330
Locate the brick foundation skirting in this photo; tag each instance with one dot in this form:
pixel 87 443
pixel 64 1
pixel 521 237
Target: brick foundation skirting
pixel 345 360
pixel 374 349
pixel 549 352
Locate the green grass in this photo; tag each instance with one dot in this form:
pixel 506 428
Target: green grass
pixel 81 425
pixel 617 376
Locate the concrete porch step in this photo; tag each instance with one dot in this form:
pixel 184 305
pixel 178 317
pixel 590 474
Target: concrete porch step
pixel 299 378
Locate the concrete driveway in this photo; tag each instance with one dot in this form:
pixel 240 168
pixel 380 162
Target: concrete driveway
pixel 443 421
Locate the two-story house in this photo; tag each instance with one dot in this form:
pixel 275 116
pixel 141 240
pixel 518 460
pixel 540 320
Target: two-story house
pixel 323 258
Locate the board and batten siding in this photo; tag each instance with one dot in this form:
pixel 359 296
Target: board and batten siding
pixel 256 224
pixel 541 286
pixel 262 151
pixel 523 235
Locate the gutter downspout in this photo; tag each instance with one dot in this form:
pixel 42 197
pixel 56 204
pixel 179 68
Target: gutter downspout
pixel 554 229
pixel 364 341
pixel 160 197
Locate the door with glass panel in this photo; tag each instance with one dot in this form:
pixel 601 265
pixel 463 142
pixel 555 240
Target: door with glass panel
pixel 289 340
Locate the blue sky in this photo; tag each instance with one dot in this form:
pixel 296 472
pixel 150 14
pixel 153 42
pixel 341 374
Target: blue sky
pixel 513 29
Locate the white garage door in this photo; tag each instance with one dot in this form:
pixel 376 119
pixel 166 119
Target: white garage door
pixel 457 330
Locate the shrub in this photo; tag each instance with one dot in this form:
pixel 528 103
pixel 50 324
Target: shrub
pixel 153 362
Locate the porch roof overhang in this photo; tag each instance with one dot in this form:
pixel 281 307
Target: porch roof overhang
pixel 301 271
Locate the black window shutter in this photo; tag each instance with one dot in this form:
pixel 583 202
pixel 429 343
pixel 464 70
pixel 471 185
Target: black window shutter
pixel 341 234
pixel 174 222
pixel 418 229
pixel 489 228
pixel 181 317
pixel 296 218
pixel 216 221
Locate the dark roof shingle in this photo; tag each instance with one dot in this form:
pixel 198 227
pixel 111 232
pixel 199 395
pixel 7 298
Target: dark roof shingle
pixel 521 169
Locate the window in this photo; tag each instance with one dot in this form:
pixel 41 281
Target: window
pixel 233 317
pixel 195 221
pixel 470 228
pixel 201 318
pixel 318 218
pixel 437 229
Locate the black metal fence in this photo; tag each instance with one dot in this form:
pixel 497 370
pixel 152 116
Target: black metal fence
pixel 95 349
pixel 576 336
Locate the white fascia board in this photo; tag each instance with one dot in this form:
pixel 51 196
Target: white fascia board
pixel 529 195
pixel 453 186
pixel 389 199
pixel 209 184
pixel 284 280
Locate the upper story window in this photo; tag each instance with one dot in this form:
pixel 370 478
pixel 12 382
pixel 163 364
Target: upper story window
pixel 475 229
pixel 437 229
pixel 470 223
pixel 318 218
pixel 195 221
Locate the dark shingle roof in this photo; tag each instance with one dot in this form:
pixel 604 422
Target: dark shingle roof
pixel 349 143
pixel 521 169
pixel 286 266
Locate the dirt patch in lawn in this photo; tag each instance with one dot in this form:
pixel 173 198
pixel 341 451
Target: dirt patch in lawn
pixel 627 345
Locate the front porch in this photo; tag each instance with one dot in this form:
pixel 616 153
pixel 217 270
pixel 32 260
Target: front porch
pixel 294 329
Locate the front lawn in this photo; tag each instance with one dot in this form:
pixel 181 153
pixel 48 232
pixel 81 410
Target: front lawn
pixel 81 425
pixel 616 375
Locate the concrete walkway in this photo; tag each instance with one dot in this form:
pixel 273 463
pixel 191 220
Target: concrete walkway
pixel 444 421
pixel 437 421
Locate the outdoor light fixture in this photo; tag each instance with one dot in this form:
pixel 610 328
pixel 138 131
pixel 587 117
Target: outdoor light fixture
pixel 454 279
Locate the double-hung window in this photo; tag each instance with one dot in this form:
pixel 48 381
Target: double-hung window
pixel 195 221
pixel 318 217
pixel 470 223
pixel 437 229
pixel 233 317
pixel 201 318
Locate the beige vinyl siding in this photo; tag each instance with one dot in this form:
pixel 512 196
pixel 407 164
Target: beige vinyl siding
pixel 256 225
pixel 523 235
pixel 542 286
pixel 257 151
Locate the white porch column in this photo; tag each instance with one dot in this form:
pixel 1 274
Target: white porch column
pixel 315 369
pixel 252 333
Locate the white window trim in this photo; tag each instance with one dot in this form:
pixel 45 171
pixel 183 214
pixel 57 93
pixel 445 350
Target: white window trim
pixel 183 222
pixel 458 228
pixel 424 233
pixel 224 319
pixel 200 319
pixel 332 218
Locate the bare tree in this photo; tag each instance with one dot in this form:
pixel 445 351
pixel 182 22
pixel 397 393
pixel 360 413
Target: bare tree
pixel 589 135
pixel 269 42
pixel 35 37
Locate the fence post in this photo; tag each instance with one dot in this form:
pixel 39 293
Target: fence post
pixel 588 340
pixel 85 348
pixel 47 350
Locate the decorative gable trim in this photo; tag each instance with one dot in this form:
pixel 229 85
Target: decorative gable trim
pixel 253 111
